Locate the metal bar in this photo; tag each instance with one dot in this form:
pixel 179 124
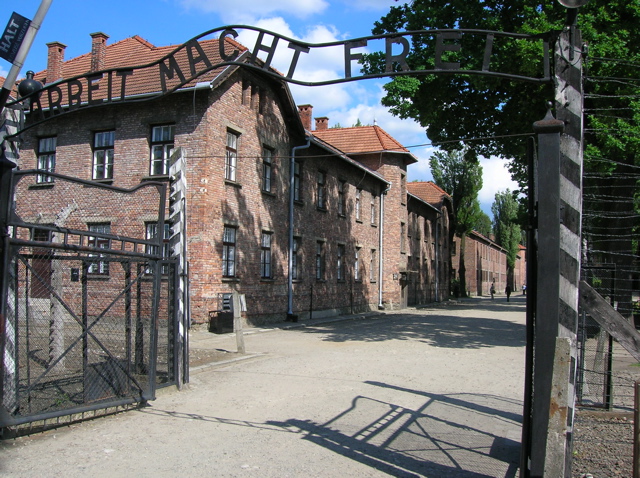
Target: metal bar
pixel 27 332
pixel 85 328
pixel 153 335
pixel 127 318
pixel 13 421
pixel 89 249
pixel 608 377
pixel 636 431
pixel 139 333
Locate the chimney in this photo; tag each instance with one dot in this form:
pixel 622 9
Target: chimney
pixel 322 123
pixel 305 112
pixel 55 58
pixel 98 51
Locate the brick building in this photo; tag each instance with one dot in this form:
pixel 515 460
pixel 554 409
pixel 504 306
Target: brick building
pixel 436 237
pixel 486 263
pixel 359 238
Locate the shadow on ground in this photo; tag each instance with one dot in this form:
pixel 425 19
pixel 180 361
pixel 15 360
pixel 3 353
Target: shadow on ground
pixel 437 327
pixel 449 435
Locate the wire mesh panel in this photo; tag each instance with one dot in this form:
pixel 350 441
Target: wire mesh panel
pixel 606 372
pixel 594 364
pixel 92 320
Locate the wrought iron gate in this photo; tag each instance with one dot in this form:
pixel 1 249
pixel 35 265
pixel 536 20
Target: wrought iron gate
pixel 88 305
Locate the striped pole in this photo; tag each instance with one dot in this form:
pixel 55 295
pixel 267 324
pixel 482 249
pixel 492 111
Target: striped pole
pixel 178 242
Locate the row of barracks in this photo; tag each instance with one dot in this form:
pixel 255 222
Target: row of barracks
pixel 300 218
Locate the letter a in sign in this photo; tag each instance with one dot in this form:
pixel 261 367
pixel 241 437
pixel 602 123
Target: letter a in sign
pixel 12 36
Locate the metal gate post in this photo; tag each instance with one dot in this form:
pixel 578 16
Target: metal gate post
pixel 547 286
pixel 8 364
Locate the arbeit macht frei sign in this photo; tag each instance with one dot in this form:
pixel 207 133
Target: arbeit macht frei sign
pixel 189 61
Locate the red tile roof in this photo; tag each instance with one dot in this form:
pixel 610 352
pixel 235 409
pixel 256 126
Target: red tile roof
pixel 135 51
pixel 361 139
pixel 428 191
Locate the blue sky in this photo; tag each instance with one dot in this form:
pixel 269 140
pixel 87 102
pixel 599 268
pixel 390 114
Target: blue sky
pixel 172 22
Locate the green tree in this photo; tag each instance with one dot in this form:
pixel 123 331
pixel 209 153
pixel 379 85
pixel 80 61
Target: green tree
pixel 506 227
pixel 483 225
pixel 459 173
pixel 453 107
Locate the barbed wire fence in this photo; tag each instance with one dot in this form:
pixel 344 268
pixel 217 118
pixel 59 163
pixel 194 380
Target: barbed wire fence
pixel 610 225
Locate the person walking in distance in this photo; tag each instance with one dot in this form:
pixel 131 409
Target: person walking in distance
pixel 493 289
pixel 507 291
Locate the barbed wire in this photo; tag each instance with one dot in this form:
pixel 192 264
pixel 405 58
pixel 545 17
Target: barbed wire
pixel 610 210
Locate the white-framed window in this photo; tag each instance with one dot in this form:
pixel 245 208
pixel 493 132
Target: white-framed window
pixel 229 251
pixel 342 185
pixel 295 259
pixel 103 142
pixel 403 244
pixel 46 158
pixel 267 169
pixel 231 157
pixel 358 206
pixel 321 190
pixel 372 266
pixel 297 181
pixel 265 255
pixel 320 264
pixel 99 267
pixel 356 264
pixel 162 142
pixel 373 209
pixel 340 263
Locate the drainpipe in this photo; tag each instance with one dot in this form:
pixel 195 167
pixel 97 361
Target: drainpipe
pixel 292 164
pixel 380 253
pixel 437 249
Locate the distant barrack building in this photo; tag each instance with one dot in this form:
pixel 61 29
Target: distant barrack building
pixel 360 238
pixel 486 264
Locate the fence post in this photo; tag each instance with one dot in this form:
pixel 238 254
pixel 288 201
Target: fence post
pixel 636 431
pixel 237 322
pixel 8 358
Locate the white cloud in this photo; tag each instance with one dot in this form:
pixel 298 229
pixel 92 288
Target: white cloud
pixel 372 5
pixel 495 178
pixel 232 10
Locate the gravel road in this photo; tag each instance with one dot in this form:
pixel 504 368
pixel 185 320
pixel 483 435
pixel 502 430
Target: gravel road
pixel 433 392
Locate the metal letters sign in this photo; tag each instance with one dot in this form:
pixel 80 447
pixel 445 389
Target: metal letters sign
pixel 196 58
pixel 12 36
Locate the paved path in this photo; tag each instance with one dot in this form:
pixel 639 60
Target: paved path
pixel 433 392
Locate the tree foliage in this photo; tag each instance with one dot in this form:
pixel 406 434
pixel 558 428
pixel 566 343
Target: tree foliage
pixel 483 225
pixel 454 107
pixel 505 224
pixel 459 173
